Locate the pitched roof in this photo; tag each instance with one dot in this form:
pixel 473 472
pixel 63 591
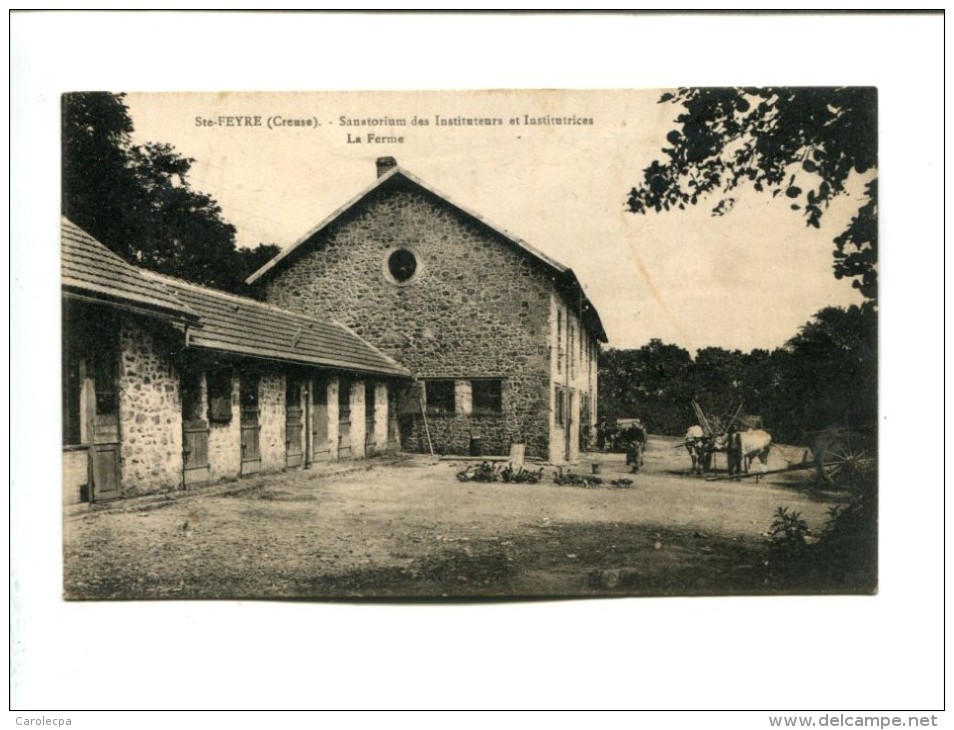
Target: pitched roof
pixel 90 269
pixel 565 277
pixel 239 325
pixel 217 321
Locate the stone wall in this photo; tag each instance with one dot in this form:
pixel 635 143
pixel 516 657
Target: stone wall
pixel 380 417
pixel 225 454
pixel 333 384
pixel 463 397
pixel 150 412
pixel 271 419
pixel 573 368
pixel 358 427
pixel 475 307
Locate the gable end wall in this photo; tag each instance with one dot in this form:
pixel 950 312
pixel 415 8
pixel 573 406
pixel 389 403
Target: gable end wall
pixel 474 308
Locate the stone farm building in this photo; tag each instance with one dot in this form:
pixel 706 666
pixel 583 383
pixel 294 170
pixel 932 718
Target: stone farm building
pixel 167 383
pixel 402 321
pixel 501 339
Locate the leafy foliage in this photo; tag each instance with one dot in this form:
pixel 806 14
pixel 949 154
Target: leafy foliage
pixel 651 382
pixel 844 557
pixel 800 143
pixel 826 374
pixel 787 537
pixel 137 199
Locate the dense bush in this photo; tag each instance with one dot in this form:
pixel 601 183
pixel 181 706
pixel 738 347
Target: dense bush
pixel 823 376
pixel 843 559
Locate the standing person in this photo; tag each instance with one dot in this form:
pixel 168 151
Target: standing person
pixel 733 450
pixel 601 435
pixel 639 437
pixel 631 447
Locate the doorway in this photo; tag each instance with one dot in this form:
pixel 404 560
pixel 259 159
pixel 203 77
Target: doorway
pixel 195 431
pixel 320 447
pixel 370 444
pixel 249 423
pixel 344 419
pixel 294 451
pixel 106 441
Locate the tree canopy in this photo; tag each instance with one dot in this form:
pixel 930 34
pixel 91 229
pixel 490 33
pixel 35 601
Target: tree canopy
pixel 138 201
pixel 826 374
pixel 802 143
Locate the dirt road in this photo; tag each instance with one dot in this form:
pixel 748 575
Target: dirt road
pixel 408 528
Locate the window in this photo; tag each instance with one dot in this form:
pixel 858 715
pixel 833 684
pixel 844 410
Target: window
pixel 369 400
pixel 440 396
pixel 191 396
pixel 220 395
pixel 559 406
pixel 559 345
pixel 292 392
pixel 487 396
pixel 248 393
pixel 569 346
pixel 344 399
pixel 105 366
pixel 402 264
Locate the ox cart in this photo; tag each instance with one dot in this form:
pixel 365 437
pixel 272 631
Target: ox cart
pixel 841 458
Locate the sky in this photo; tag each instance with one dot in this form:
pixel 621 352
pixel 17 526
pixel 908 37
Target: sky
pixel 745 280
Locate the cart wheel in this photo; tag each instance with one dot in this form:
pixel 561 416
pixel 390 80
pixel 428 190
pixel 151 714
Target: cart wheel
pixel 843 460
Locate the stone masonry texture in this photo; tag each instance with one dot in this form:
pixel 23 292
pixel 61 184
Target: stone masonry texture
pixel 150 411
pixel 271 417
pixel 474 308
pixel 225 458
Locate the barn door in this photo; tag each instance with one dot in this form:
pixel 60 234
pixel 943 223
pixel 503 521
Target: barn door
pixel 585 424
pixel 195 452
pixel 393 438
pixel 344 419
pixel 320 448
pixel 251 453
pixel 568 428
pixel 195 432
pixel 369 442
pixel 105 448
pixel 294 453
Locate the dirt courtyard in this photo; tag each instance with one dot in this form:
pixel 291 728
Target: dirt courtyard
pixel 406 527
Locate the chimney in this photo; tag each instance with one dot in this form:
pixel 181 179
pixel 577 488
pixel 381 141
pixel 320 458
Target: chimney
pixel 385 165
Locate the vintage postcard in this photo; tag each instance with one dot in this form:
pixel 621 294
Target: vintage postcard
pixel 470 344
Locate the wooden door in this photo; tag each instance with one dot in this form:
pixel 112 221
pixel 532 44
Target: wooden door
pixel 294 430
pixel 250 428
pixel 195 451
pixel 344 419
pixel 393 432
pixel 568 431
pixel 105 451
pixel 585 422
pixel 106 474
pixel 320 448
pixel 195 431
pixel 370 444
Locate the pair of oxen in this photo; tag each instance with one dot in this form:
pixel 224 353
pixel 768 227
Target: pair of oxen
pixel 741 448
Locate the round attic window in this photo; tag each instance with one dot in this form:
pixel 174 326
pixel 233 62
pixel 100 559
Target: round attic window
pixel 402 264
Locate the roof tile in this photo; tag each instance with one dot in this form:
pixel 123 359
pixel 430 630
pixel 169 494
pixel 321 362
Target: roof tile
pixel 225 322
